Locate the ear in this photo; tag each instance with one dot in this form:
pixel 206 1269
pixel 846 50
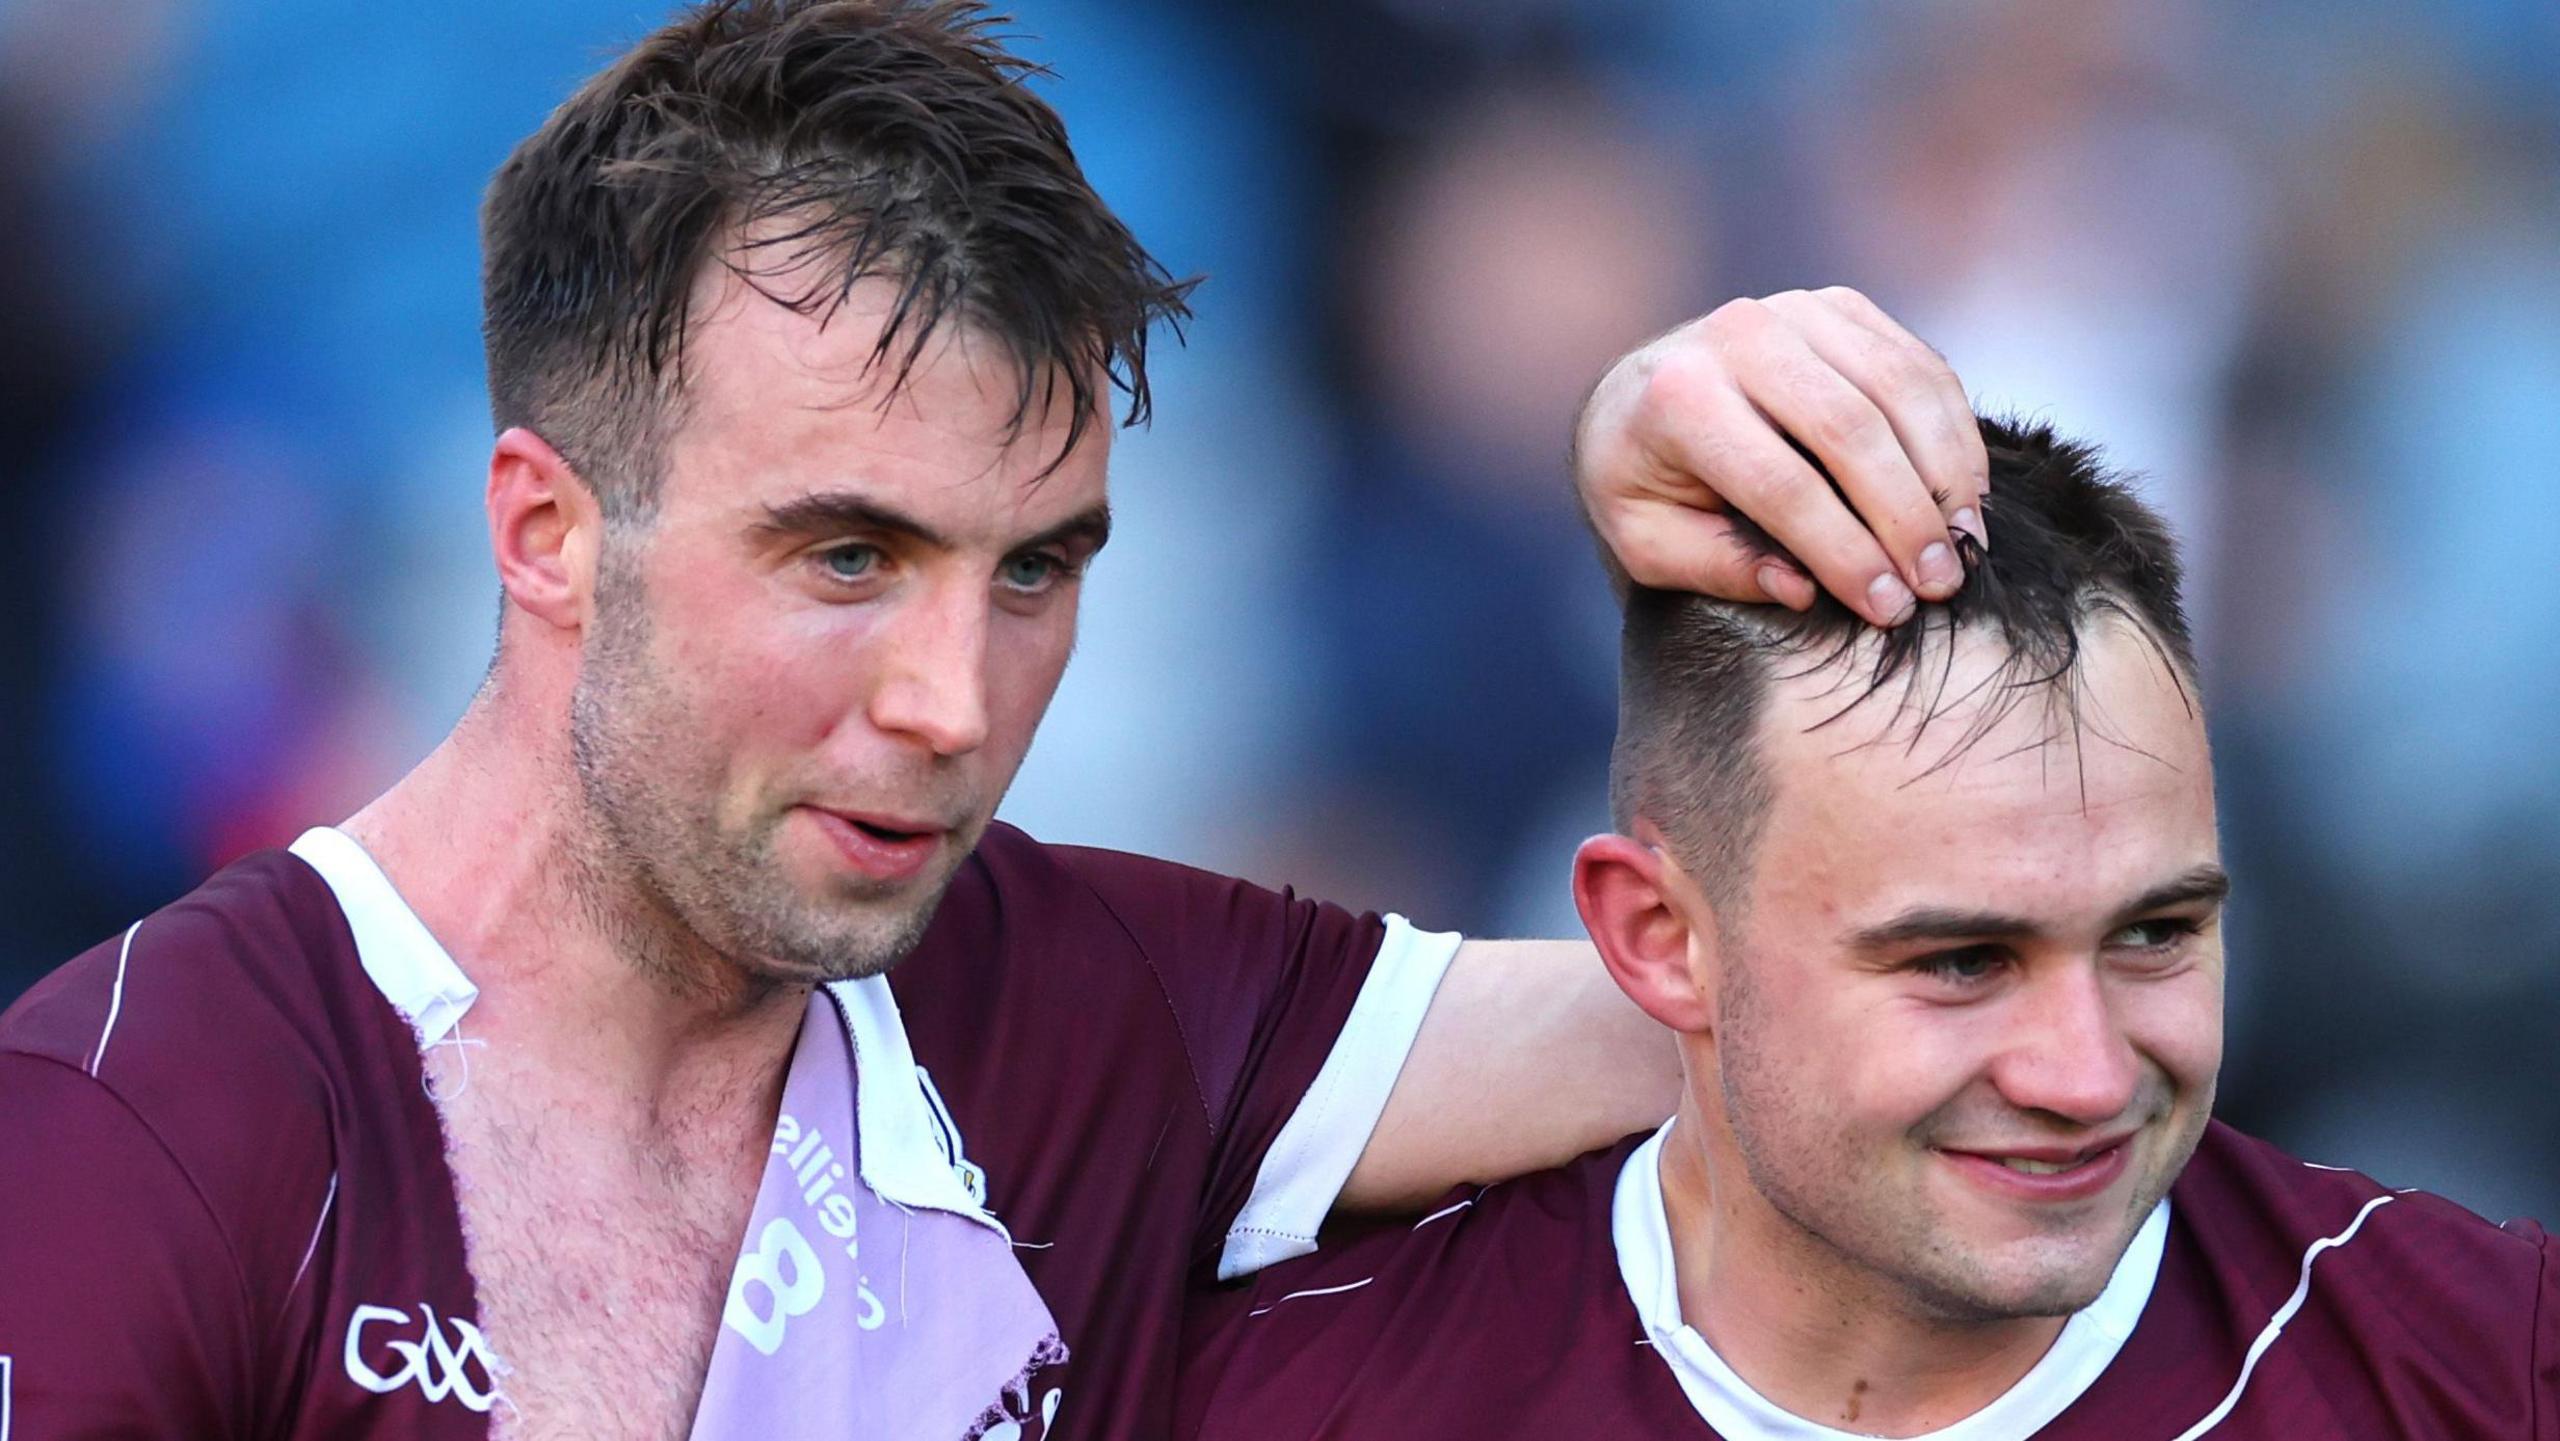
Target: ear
pixel 545 529
pixel 1651 927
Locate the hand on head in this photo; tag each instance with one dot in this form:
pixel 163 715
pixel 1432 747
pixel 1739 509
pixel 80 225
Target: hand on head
pixel 1713 422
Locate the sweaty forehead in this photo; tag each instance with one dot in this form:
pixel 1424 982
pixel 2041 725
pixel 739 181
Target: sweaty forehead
pixel 1964 781
pixel 779 401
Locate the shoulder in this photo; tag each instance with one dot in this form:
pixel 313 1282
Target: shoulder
pixel 1534 1255
pixel 1138 900
pixel 1501 1312
pixel 213 1030
pixel 1024 917
pixel 226 967
pixel 2326 1289
pixel 2241 1193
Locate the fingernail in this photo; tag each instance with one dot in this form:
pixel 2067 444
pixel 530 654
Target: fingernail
pixel 1890 598
pixel 1938 569
pixel 1970 522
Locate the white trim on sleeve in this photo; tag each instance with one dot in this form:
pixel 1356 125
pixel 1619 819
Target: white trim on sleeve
pixel 1303 1172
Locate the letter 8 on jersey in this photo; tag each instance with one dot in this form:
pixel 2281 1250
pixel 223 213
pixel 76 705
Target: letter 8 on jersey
pixel 780 1249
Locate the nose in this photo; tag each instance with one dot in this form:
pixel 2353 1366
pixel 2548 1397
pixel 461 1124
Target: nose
pixel 2071 1058
pixel 933 677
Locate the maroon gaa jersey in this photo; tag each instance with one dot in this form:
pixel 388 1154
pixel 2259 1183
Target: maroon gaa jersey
pixel 225 1210
pixel 2264 1300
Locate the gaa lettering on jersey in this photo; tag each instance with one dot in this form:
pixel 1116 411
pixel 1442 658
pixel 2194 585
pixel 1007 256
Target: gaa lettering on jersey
pixel 441 1367
pixel 1204 1007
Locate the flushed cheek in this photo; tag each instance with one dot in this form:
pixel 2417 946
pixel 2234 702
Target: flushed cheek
pixel 764 714
pixel 1907 1066
pixel 2177 1024
pixel 792 680
pixel 1026 660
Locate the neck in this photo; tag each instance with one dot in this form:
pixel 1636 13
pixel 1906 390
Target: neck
pixel 581 980
pixel 1809 1328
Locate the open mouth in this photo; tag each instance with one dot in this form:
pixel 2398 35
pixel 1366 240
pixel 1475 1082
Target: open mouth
pixel 2048 1173
pixel 888 849
pixel 2024 1166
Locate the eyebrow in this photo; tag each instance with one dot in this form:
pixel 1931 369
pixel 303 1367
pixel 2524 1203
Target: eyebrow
pixel 2207 883
pixel 836 512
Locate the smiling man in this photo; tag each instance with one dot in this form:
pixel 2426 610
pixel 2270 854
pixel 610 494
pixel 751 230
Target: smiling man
pixel 564 1090
pixel 1935 915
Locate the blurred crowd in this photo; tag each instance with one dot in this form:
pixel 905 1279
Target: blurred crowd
pixel 2295 264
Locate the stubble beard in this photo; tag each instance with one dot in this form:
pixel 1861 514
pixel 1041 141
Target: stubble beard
pixel 677 891
pixel 1859 1226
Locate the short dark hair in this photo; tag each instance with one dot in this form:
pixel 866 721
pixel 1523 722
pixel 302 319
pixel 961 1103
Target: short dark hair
pixel 2072 542
pixel 841 139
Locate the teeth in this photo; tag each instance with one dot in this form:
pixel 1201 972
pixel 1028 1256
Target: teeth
pixel 2037 1168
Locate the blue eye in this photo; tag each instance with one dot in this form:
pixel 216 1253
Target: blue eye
pixel 850 562
pixel 1031 571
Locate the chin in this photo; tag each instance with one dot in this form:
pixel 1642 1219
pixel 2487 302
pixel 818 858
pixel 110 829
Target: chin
pixel 2052 1295
pixel 2040 1278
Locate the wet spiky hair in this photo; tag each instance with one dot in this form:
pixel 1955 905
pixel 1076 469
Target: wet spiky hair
pixel 808 145
pixel 2073 543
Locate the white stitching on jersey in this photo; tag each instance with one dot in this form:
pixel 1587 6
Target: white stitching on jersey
pixel 115 1003
pixel 2276 1324
pixel 1319 1291
pixel 6 1368
pixel 314 1248
pixel 1448 1210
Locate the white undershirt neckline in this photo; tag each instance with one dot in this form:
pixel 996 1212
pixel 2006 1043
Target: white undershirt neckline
pixel 911 1149
pixel 910 1153
pixel 2088 1344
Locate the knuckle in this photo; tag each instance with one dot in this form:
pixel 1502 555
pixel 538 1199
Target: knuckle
pixel 1961 444
pixel 1907 382
pixel 1935 377
pixel 1742 315
pixel 1840 430
pixel 1676 386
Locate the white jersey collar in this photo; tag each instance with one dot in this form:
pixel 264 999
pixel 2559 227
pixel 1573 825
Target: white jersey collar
pixel 910 1149
pixel 910 1152
pixel 401 957
pixel 2088 1343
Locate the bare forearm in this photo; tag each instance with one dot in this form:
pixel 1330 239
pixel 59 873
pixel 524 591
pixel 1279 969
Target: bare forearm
pixel 1529 1056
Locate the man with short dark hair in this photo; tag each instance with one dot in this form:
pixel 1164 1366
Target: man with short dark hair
pixel 562 1090
pixel 1935 914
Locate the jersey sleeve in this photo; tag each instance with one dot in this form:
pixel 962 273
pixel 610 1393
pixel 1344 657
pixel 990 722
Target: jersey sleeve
pixel 123 1312
pixel 1297 1017
pixel 2545 1380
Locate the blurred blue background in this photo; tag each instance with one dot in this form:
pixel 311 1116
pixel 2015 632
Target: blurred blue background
pixel 2297 263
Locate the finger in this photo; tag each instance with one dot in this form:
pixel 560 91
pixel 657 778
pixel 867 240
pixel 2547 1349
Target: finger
pixel 1678 547
pixel 1730 444
pixel 1813 401
pixel 1926 402
pixel 1898 501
